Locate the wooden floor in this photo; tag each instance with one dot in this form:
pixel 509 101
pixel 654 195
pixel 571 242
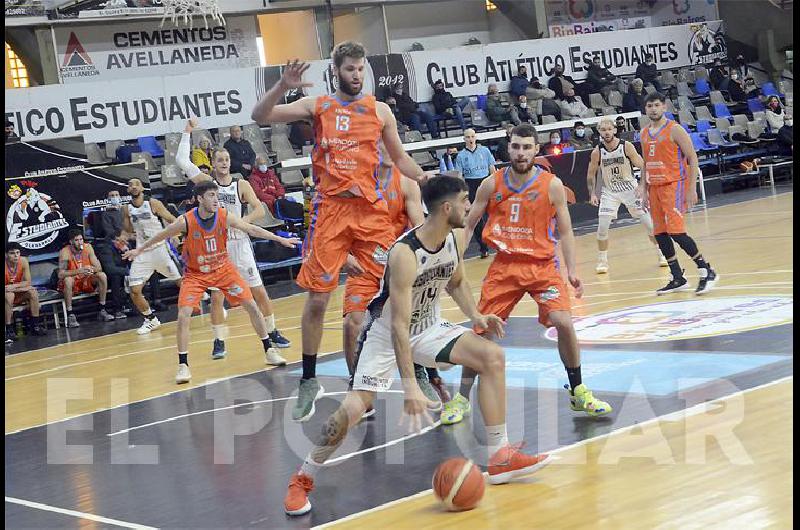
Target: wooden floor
pixel 749 244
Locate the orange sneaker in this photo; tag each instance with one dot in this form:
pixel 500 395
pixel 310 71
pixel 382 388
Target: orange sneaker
pixel 296 501
pixel 509 462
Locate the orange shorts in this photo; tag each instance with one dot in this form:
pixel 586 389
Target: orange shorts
pixel 667 206
pixel 84 284
pixel 340 227
pixel 358 292
pixel 509 278
pixel 226 279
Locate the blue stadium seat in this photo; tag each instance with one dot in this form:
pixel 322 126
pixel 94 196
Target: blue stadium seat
pixel 481 104
pixel 702 87
pixel 768 89
pixel 700 144
pixel 721 111
pixel 670 116
pixel 755 105
pixel 703 126
pixel 148 144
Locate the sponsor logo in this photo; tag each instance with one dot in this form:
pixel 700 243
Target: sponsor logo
pixel 381 383
pixel 338 144
pixel 34 219
pixel 706 44
pixel 496 230
pixel 532 196
pixel 235 290
pixel 380 256
pixel 550 294
pixel 684 319
pixel 77 63
pixel 580 9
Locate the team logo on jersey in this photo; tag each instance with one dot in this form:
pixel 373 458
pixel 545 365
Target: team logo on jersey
pixel 550 294
pixel 498 197
pixel 706 44
pixel 532 196
pixel 326 105
pixel 360 109
pixel 34 219
pixel 423 260
pixel 380 256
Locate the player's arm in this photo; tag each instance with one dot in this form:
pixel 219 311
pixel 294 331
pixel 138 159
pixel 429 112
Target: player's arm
pixel 182 158
pixel 25 284
pixel 176 228
pixel 591 175
pixel 394 146
pixel 681 137
pixel 63 265
pixel 413 200
pixel 267 109
pixel 634 156
pixel 478 208
pixel 94 261
pixel 160 210
pixel 127 224
pixel 250 198
pixel 257 231
pixel 558 199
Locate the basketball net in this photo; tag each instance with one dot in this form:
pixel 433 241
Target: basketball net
pixel 186 9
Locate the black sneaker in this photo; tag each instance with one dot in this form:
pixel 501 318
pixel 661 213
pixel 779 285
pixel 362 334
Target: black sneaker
pixel 10 335
pixel 708 279
pixel 38 330
pixel 219 349
pixel 675 284
pixel 278 340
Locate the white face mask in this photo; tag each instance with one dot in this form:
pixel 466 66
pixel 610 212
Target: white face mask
pixel 262 168
pixel 580 133
pixel 115 201
pixel 555 140
pixel 523 105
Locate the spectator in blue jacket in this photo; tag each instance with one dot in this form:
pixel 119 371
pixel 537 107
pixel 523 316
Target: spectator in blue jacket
pixel 519 83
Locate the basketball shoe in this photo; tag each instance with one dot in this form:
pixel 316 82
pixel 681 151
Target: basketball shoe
pixel 582 400
pixel 675 284
pixel 509 462
pixel 708 279
pixel 183 375
pixel 455 410
pixel 296 501
pixel 427 388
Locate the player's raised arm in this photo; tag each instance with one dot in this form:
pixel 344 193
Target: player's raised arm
pixel 267 109
pixel 591 176
pixel 174 229
pixel 478 208
pixel 182 157
pixel 558 199
pixel 391 139
pixel 257 231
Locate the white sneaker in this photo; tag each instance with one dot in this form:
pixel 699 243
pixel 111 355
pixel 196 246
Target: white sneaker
pixel 149 325
pixel 183 375
pixel 602 267
pixel 274 358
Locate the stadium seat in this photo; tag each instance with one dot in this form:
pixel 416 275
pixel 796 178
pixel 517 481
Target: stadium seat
pixel 721 110
pixel 703 113
pixel 147 158
pixel 480 120
pixel 700 144
pixel 670 116
pixel 223 133
pixel 291 177
pixel 700 72
pixel 755 130
pixel 686 118
pixel 715 138
pixel 481 103
pixel 703 126
pixel 768 89
pixel 684 90
pixel 548 119
pixel 668 78
pixel 755 105
pixel 149 144
pixel 112 146
pixel 597 102
pixel 172 176
pixel 614 99
pixel 722 124
pixel 740 120
pixel 702 87
pixel 739 134
pixel 95 155
pixel 171 143
pixel 268 221
pixel 716 96
pixel 685 103
pixel 670 106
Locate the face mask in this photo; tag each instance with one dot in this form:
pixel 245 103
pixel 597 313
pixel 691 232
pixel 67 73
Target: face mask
pixel 555 140
pixel 262 168
pixel 735 77
pixel 115 201
pixel 398 91
pixel 523 105
pixel 580 133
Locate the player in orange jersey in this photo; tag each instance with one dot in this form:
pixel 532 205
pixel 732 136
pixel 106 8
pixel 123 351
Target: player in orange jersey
pixel 79 272
pixel 668 183
pixel 349 216
pixel 525 205
pixel 19 290
pixel 205 252
pixel 404 200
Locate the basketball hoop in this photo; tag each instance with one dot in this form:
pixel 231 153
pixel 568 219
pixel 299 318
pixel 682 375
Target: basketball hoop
pixel 186 9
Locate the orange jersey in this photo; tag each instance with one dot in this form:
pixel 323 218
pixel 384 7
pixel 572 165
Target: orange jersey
pixel 77 261
pixel 14 275
pixel 204 250
pixel 522 221
pixel 345 155
pixel 392 193
pixel 663 160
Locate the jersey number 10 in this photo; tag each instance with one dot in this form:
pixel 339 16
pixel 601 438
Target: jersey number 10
pixel 211 245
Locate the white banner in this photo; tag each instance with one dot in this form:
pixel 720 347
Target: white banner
pixel 661 12
pixel 579 28
pixel 144 49
pixel 129 108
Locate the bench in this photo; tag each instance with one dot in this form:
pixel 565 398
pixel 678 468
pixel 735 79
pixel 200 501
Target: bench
pixel 53 302
pixel 287 263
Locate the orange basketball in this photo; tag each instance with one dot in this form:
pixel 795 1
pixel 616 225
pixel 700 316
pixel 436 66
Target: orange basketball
pixel 459 484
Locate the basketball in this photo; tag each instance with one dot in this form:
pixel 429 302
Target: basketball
pixel 458 484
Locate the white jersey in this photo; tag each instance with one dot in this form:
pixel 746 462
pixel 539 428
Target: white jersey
pixel 616 169
pixel 145 222
pixel 434 270
pixel 231 201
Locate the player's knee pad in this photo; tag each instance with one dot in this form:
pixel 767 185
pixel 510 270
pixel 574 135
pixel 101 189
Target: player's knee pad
pixel 687 244
pixel 665 245
pixel 603 224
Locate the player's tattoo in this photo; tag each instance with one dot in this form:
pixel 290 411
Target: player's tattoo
pixel 333 432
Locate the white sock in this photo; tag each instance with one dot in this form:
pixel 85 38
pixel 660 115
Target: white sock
pixel 603 255
pixel 148 312
pixel 309 468
pixel 217 329
pixel 496 437
pixel 270 322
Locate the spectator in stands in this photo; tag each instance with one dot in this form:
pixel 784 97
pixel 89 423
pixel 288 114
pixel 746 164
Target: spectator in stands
pixel 79 271
pixel 716 74
pixel 599 79
pixel 740 65
pixel 559 83
pixel 475 163
pixel 495 110
pixel 300 133
pixel 751 89
pixel 19 290
pixel 622 130
pixel 779 123
pixel 521 111
pixel 555 147
pixel 736 88
pixel 446 105
pixel 409 112
pixel 573 106
pixel 243 157
pixel 501 153
pixel 109 244
pixel 536 91
pixel 266 183
pixel 633 101
pixel 201 155
pixel 581 137
pixel 519 83
pixel 648 72
pixel 11 136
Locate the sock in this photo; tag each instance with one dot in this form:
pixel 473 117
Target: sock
pixel 432 372
pixel 574 375
pixel 183 358
pixel 309 468
pixel 217 329
pixel 266 342
pixel 496 437
pixel 602 255
pixel 270 322
pixel 309 366
pixel 700 262
pixel 675 269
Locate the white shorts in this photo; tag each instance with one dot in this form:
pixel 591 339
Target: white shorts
pixel 155 260
pixel 241 254
pixel 377 364
pixel 610 201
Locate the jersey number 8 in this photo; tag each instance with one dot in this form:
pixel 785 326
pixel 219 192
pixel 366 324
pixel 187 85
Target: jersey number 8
pixel 652 150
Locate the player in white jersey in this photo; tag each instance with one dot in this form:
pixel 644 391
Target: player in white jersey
pixel 615 159
pixel 140 218
pixel 405 326
pixel 233 196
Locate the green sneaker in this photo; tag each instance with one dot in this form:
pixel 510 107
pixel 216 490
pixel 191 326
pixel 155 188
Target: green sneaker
pixel 582 400
pixel 427 388
pixel 310 391
pixel 455 410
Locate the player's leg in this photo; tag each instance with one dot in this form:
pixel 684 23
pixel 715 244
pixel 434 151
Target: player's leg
pixel 677 230
pixel 607 212
pixel 31 296
pixel 67 288
pixel 662 199
pixel 189 296
pixel 142 269
pixel 634 207
pixel 10 335
pixel 100 280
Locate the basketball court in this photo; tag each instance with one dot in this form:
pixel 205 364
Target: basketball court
pixel 98 434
